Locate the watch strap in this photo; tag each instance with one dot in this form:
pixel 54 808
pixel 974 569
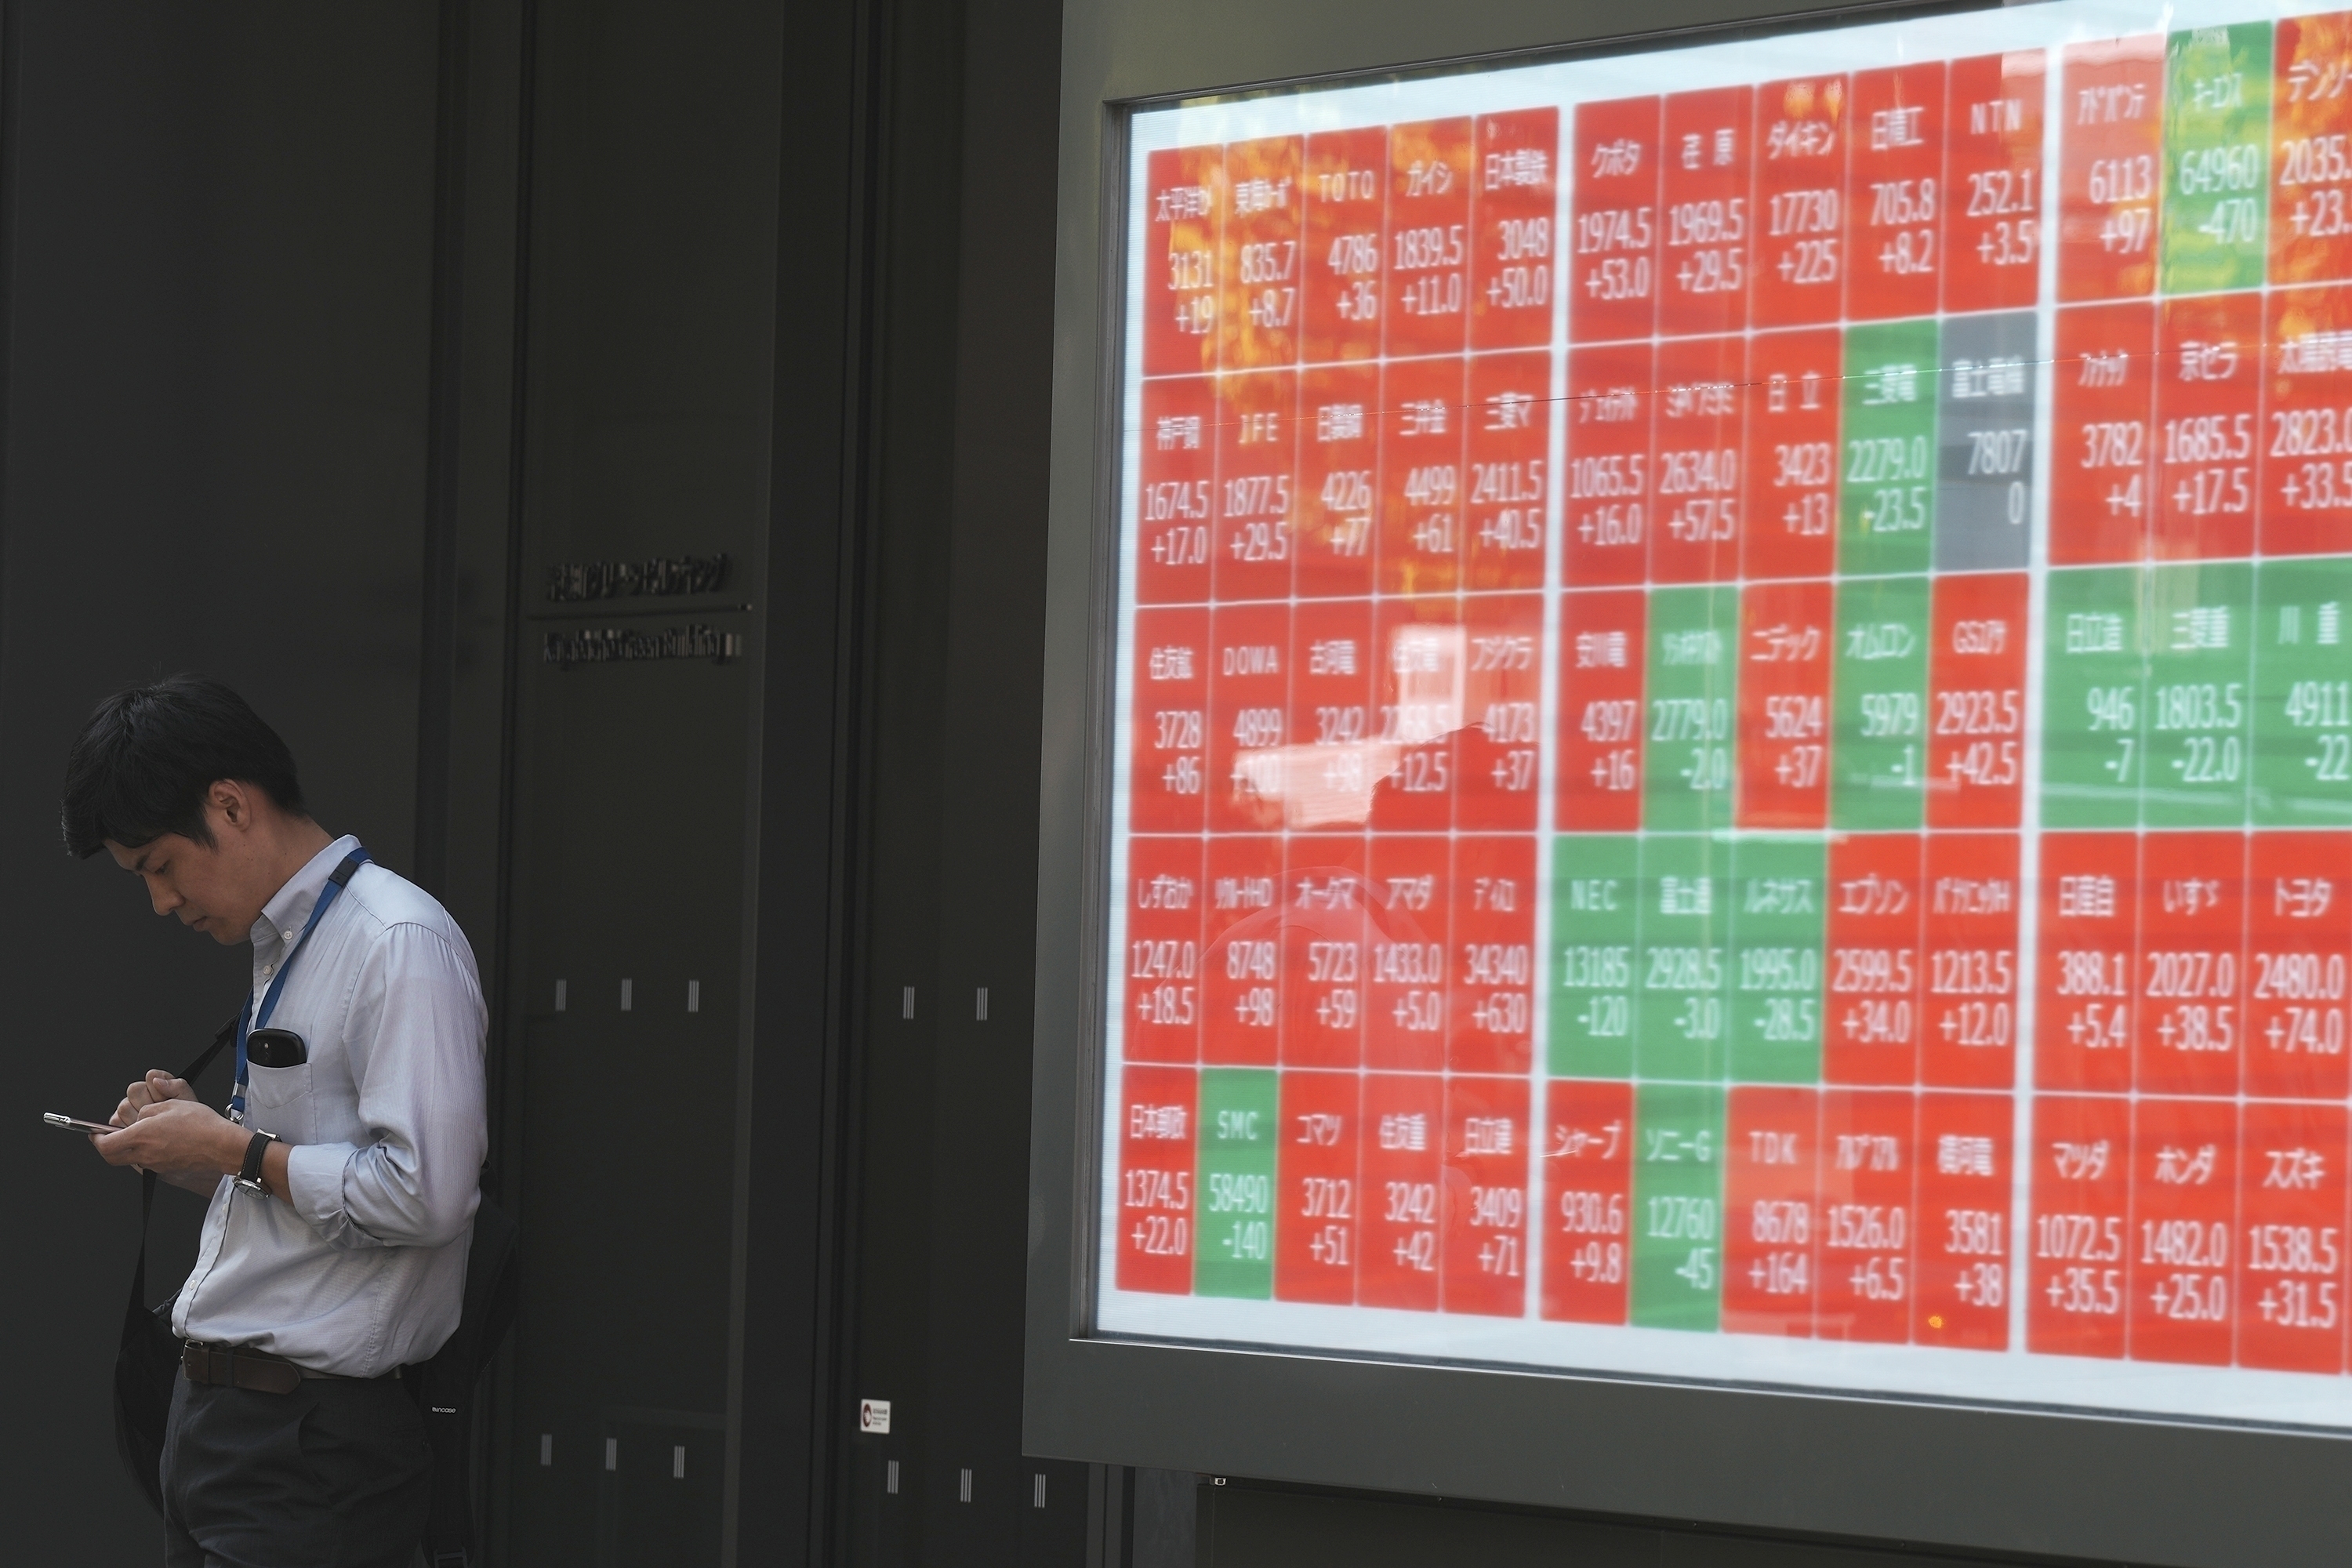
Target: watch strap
pixel 249 1178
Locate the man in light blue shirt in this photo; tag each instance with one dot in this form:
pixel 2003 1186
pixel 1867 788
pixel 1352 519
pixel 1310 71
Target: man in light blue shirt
pixel 344 1175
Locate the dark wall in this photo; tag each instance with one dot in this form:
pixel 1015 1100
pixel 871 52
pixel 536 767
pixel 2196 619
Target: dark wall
pixel 218 279
pixel 964 367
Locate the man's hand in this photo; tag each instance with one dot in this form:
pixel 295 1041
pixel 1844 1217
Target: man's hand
pixel 167 1130
pixel 156 1086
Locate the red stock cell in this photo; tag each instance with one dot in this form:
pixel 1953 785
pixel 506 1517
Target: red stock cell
pixel 1770 1208
pixel 1876 972
pixel 2103 473
pixel 1793 396
pixel 1612 282
pixel 1963 1259
pixel 1167 774
pixel 1696 443
pixel 2192 940
pixel 1418 690
pixel 1803 131
pixel 1175 499
pixel 1486 1163
pixel 1180 260
pixel 2110 167
pixel 1260 266
pixel 1165 900
pixel 1241 958
pixel 1314 1235
pixel 1607 508
pixel 2291 1249
pixel 1588 1195
pixel 2184 1205
pixel 1403 1143
pixel 1976 691
pixel 1709 222
pixel 1256 498
pixel 1991 194
pixel 2298 937
pixel 1409 910
pixel 1509 442
pixel 2081 1242
pixel 1863 1245
pixel 1326 935
pixel 2088 961
pixel 1156 1212
pixel 1347 236
pixel 2307 422
pixel 1428 291
pixel 2311 162
pixel 1419 538
pixel 1511 266
pixel 2208 434
pixel 1502 690
pixel 1897 205
pixel 1491 1000
pixel 1249 704
pixel 1787 632
pixel 1336 501
pixel 1973 969
pixel 1329 769
pixel 1601 642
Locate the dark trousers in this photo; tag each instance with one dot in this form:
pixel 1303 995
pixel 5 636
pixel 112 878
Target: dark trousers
pixel 337 1474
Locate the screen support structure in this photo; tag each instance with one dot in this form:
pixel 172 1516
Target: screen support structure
pixel 1629 1069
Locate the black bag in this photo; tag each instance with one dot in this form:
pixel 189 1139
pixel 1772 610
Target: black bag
pixel 147 1365
pixel 148 1361
pixel 444 1385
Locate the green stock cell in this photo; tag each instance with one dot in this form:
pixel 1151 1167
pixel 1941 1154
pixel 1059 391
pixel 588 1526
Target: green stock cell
pixel 1682 957
pixel 2303 694
pixel 1595 901
pixel 2217 111
pixel 1886 493
pixel 1777 892
pixel 1677 1206
pixel 2094 689
pixel 1235 1252
pixel 1690 681
pixel 1878 710
pixel 2199 726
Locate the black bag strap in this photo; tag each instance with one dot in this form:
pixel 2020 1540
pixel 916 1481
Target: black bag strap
pixel 221 1042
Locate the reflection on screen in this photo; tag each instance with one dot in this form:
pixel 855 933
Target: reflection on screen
pixel 1735 738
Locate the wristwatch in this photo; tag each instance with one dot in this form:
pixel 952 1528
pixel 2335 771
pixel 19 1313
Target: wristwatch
pixel 249 1178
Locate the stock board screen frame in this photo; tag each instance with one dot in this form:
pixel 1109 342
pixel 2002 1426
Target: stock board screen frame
pixel 1713 1447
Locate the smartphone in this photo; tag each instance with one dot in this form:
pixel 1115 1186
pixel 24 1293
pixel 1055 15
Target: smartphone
pixel 74 1124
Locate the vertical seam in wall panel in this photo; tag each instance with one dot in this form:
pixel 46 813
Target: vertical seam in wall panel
pixel 8 179
pixel 501 1174
pixel 437 641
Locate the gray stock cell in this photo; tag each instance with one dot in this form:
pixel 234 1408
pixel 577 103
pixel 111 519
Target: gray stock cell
pixel 1984 440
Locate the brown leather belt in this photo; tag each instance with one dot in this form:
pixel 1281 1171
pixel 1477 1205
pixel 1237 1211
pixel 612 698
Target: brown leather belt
pixel 242 1366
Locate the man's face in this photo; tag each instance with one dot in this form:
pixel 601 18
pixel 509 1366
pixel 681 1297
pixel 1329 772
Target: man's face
pixel 206 887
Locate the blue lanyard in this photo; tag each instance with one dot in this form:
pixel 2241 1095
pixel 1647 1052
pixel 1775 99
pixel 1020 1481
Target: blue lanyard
pixel 252 1019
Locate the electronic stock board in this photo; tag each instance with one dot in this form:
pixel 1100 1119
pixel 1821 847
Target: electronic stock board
pixel 1733 748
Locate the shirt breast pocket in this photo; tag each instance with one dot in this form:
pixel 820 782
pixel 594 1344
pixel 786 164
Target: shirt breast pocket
pixel 277 1099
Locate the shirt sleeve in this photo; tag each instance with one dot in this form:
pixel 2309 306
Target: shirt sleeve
pixel 416 1054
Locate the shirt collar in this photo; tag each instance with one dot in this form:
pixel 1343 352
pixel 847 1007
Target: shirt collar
pixel 283 916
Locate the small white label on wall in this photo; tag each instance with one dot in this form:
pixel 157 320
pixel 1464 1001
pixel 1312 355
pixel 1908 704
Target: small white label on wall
pixel 874 1415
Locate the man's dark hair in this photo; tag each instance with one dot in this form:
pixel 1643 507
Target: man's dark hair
pixel 141 766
